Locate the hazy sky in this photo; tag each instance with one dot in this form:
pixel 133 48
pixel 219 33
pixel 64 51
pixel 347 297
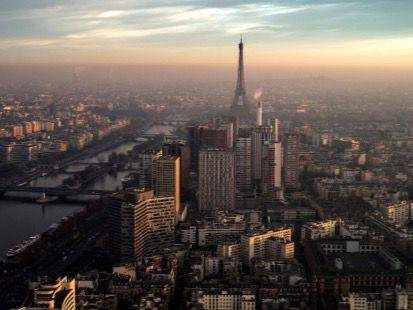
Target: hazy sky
pixel 284 32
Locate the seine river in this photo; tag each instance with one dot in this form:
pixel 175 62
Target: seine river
pixel 19 220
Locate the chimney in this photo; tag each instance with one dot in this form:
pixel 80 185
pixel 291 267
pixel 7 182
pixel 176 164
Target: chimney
pixel 259 113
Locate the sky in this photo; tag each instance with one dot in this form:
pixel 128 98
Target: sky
pixel 346 33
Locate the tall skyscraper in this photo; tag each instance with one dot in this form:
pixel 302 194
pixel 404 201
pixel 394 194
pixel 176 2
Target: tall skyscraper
pixel 275 124
pixel 113 208
pixel 239 105
pixel 216 188
pixel 260 136
pixel 219 136
pixel 271 183
pixel 146 161
pixel 194 141
pixel 243 164
pixel 179 148
pixel 166 179
pixel 140 224
pixel 266 159
pixel 291 164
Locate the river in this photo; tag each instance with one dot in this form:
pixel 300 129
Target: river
pixel 19 220
pixel 104 156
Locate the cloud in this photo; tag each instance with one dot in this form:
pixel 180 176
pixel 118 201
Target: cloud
pixel 109 14
pixel 341 27
pixel 114 33
pixel 4 44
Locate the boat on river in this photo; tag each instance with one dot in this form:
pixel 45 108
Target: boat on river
pixel 46 199
pixel 22 246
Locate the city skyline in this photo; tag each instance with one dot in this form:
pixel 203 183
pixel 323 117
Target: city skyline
pixel 237 155
pixel 287 33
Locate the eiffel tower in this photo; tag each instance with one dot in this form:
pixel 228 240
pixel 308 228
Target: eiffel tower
pixel 239 105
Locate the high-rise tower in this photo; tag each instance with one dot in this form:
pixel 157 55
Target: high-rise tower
pixel 239 105
pixel 216 187
pixel 140 224
pixel 291 161
pixel 166 179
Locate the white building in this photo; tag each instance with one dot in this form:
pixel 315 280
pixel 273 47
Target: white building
pixel 224 299
pixel 397 213
pixel 319 230
pixel 258 244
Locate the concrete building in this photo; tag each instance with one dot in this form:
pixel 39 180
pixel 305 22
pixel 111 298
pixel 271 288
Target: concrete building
pixel 319 230
pixel 214 233
pixel 279 248
pixel 397 213
pixel 194 142
pixel 216 190
pixel 275 124
pixel 146 161
pixel 179 148
pixel 261 244
pixel 220 136
pixel 271 174
pixel 230 249
pixel 266 160
pixel 140 224
pixel 216 266
pixel 361 302
pixel 397 298
pixel 59 295
pixel 243 164
pixel 291 161
pixel 343 266
pixel 260 136
pixel 166 180
pixel 18 152
pixel 220 299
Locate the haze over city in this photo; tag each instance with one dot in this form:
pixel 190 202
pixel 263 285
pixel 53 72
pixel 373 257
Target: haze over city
pixel 206 155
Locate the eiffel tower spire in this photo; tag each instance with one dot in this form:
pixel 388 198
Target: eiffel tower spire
pixel 239 105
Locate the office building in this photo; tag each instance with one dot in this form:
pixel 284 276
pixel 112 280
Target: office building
pixel 291 163
pixel 219 136
pixel 219 299
pixel 343 266
pixel 259 244
pixel 166 179
pixel 243 164
pixel 146 161
pixel 320 229
pixel 194 142
pixel 271 174
pixel 216 190
pixel 179 148
pixel 140 224
pixel 274 123
pixel 260 138
pixel 397 213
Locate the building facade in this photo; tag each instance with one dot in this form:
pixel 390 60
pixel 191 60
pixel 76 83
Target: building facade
pixel 216 180
pixel 140 224
pixel 166 179
pixel 291 163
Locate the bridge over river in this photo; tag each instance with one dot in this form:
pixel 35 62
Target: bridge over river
pixel 55 191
